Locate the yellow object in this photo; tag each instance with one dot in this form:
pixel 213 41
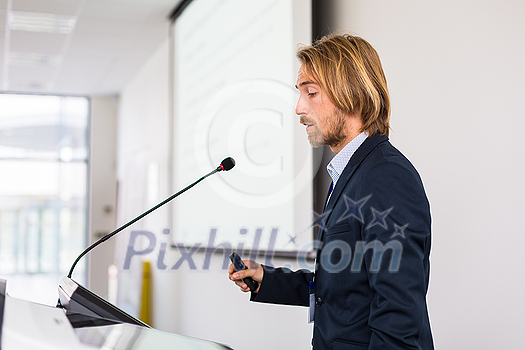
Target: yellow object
pixel 145 302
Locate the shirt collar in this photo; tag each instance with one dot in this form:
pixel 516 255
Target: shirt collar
pixel 338 163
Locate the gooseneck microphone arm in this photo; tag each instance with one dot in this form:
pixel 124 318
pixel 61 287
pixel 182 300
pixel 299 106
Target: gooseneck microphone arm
pixel 226 165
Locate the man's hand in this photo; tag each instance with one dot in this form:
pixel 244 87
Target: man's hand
pixel 254 271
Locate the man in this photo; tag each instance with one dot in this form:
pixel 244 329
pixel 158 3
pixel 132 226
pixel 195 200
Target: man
pixel 376 209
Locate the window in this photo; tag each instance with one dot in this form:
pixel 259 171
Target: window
pixel 43 192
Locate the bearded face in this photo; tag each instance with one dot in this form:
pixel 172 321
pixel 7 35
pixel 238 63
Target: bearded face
pixel 325 123
pixel 327 130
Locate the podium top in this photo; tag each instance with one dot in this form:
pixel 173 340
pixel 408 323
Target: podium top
pixel 31 326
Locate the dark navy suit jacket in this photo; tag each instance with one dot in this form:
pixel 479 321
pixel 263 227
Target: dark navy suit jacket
pixel 372 267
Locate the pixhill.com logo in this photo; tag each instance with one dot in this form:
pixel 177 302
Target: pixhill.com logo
pixel 335 256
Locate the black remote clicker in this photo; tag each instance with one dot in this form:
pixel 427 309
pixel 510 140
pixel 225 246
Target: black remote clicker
pixel 239 265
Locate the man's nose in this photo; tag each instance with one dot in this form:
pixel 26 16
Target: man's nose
pixel 300 107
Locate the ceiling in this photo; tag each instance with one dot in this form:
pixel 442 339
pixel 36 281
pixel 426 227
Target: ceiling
pixel 101 50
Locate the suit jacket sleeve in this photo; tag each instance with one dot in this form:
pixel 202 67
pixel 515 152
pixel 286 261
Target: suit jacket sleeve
pixel 398 315
pixel 284 286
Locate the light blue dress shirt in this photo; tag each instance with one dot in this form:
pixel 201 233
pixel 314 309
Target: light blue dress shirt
pixel 338 163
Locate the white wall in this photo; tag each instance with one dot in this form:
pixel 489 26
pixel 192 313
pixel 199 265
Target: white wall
pixel 102 188
pixel 456 78
pixel 142 167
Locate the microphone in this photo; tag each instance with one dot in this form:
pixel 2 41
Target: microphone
pixel 226 164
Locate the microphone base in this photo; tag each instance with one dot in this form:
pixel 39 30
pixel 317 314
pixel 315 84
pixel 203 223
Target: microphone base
pixel 74 298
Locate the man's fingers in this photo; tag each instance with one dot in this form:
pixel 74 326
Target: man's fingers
pixel 254 271
pixel 242 285
pixel 239 275
pixel 237 278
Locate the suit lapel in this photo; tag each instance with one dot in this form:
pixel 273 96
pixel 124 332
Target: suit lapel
pixel 360 154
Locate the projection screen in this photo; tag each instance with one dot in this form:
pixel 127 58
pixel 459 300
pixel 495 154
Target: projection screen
pixel 234 71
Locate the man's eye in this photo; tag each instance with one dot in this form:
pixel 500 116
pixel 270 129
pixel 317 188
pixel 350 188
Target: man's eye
pixel 312 94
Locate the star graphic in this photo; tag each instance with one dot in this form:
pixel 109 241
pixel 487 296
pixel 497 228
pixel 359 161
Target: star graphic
pixel 379 218
pixel 353 208
pixel 400 231
pixel 320 220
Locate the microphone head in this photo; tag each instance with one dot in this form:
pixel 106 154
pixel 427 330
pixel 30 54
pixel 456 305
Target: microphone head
pixel 227 164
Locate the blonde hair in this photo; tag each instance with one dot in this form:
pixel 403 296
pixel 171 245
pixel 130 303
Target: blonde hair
pixel 349 70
